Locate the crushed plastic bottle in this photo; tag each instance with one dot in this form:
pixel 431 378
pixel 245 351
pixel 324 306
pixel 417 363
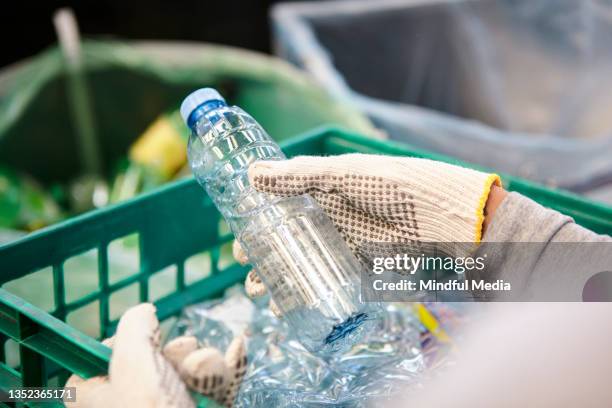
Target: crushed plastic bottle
pixel 387 361
pixel 312 275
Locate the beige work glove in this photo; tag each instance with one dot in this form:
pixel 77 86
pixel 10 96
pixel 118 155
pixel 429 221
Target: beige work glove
pixel 206 370
pixel 374 199
pixel 141 375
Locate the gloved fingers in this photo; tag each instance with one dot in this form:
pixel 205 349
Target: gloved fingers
pixel 340 165
pixel 253 285
pixel 343 215
pixel 274 309
pixel 362 194
pixel 236 363
pixel 176 350
pixel 89 390
pixel 138 324
pixel 296 176
pixel 239 255
pixel 359 226
pixel 205 371
pixel 92 393
pixel 109 342
pixel 138 372
pixel 369 182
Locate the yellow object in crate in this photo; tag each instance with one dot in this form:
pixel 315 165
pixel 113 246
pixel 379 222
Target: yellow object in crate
pixel 155 158
pixel 163 146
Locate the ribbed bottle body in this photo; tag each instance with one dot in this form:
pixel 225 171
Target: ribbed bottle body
pixel 307 267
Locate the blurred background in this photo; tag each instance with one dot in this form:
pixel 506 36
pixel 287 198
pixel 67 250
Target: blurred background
pixel 194 20
pixel 89 96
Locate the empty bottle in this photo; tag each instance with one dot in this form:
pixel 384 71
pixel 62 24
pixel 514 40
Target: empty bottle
pixel 310 272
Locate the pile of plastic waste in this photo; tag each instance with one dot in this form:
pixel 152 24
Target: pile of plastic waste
pixel 281 373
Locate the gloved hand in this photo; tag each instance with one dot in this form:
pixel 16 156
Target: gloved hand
pixel 374 199
pixel 207 371
pixel 141 375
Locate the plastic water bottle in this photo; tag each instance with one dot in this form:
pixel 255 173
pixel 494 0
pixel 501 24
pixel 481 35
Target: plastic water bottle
pixel 307 267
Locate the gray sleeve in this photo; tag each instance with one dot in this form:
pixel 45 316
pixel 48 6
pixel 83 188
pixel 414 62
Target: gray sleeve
pixel 542 253
pixel 520 219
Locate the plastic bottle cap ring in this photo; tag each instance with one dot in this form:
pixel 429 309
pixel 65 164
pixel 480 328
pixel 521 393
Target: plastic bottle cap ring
pixel 197 98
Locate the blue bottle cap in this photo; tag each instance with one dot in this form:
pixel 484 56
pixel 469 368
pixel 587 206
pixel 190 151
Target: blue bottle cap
pixel 198 98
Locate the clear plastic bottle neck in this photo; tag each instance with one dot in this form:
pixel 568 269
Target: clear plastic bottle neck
pixel 224 142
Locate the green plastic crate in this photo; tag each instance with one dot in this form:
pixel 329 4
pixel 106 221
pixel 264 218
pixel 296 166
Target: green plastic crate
pixel 172 224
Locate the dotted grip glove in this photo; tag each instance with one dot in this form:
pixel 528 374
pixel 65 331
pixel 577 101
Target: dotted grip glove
pixel 381 199
pixel 141 374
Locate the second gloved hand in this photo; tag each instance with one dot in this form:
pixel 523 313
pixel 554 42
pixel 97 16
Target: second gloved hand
pixel 141 374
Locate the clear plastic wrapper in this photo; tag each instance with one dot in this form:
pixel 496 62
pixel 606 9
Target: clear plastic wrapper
pixel 281 373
